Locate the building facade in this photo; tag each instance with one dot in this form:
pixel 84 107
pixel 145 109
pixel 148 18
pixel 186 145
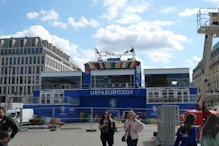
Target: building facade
pixel 212 90
pixel 21 62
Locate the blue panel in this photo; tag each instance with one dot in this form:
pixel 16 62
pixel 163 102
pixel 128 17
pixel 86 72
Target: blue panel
pixel 36 93
pixel 86 78
pixel 193 90
pixel 115 101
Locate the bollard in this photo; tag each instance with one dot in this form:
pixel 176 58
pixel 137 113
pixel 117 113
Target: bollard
pixel 21 121
pixel 91 121
pixel 53 120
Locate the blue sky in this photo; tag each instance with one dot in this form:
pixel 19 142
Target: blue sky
pixel 163 32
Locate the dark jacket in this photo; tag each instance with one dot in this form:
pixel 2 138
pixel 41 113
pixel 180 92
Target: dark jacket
pixel 185 138
pixel 6 123
pixel 2 144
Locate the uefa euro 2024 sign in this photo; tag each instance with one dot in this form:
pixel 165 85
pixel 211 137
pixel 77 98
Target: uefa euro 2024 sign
pixel 119 92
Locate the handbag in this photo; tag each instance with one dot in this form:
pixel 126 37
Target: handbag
pixel 123 138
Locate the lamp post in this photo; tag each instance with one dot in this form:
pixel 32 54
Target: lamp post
pixel 6 70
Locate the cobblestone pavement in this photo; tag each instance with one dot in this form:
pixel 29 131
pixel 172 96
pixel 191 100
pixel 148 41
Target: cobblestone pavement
pixel 76 137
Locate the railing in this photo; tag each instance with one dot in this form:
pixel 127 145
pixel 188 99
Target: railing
pixel 93 86
pixel 51 100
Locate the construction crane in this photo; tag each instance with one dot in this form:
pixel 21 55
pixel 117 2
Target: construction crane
pixel 208 24
pixel 100 54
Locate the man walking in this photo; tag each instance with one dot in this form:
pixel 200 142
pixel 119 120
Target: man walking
pixel 6 123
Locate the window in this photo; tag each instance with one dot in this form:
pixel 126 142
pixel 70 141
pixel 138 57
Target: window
pixel 33 42
pixel 14 60
pixel 21 51
pixel 37 50
pixel 26 60
pixel 6 61
pixel 32 50
pixel 13 70
pixel 22 60
pixel 43 99
pixel 33 69
pixel 17 70
pixel 41 68
pixel 37 79
pixel 18 60
pixel 29 81
pixel 29 69
pixel 34 60
pixel 22 43
pixel 25 51
pixel 22 70
pixel 21 80
pixel 10 43
pixel 38 70
pixel 25 69
pixel 38 60
pixel 29 51
pixel 2 52
pixel 41 50
pixel 42 61
pixel 3 61
pixel 33 80
pixel 17 51
pixel 30 60
pixel 10 60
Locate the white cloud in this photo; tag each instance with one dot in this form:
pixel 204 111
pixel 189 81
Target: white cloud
pixel 194 61
pixel 49 15
pixel 113 7
pixel 188 12
pixel 59 24
pixel 168 10
pixel 159 56
pixel 32 15
pixel 83 22
pixel 129 19
pixel 213 1
pixel 125 11
pixel 161 23
pixel 142 36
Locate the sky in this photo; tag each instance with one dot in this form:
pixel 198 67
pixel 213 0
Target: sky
pixel 162 32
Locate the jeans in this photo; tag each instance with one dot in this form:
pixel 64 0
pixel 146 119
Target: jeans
pixel 107 138
pixel 131 142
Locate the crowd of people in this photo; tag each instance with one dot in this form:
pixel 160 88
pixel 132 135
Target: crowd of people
pixel 209 133
pixel 186 134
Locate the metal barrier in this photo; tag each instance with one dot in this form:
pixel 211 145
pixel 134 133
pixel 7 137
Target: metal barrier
pixel 67 116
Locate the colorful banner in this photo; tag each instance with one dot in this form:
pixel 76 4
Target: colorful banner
pixel 110 65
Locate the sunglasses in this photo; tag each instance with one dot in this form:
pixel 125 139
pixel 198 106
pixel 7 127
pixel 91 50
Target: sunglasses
pixel 130 115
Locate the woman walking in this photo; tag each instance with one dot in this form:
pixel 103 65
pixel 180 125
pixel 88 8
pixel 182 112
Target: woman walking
pixel 107 128
pixel 187 134
pixel 210 131
pixel 132 127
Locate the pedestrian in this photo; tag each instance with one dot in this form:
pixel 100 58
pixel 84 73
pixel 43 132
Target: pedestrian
pixel 6 123
pixel 3 138
pixel 132 127
pixel 210 131
pixel 187 134
pixel 107 128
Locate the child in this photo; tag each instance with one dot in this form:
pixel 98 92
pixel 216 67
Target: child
pixel 3 138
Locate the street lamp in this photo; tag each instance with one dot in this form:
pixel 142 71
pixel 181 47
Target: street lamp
pixel 6 70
